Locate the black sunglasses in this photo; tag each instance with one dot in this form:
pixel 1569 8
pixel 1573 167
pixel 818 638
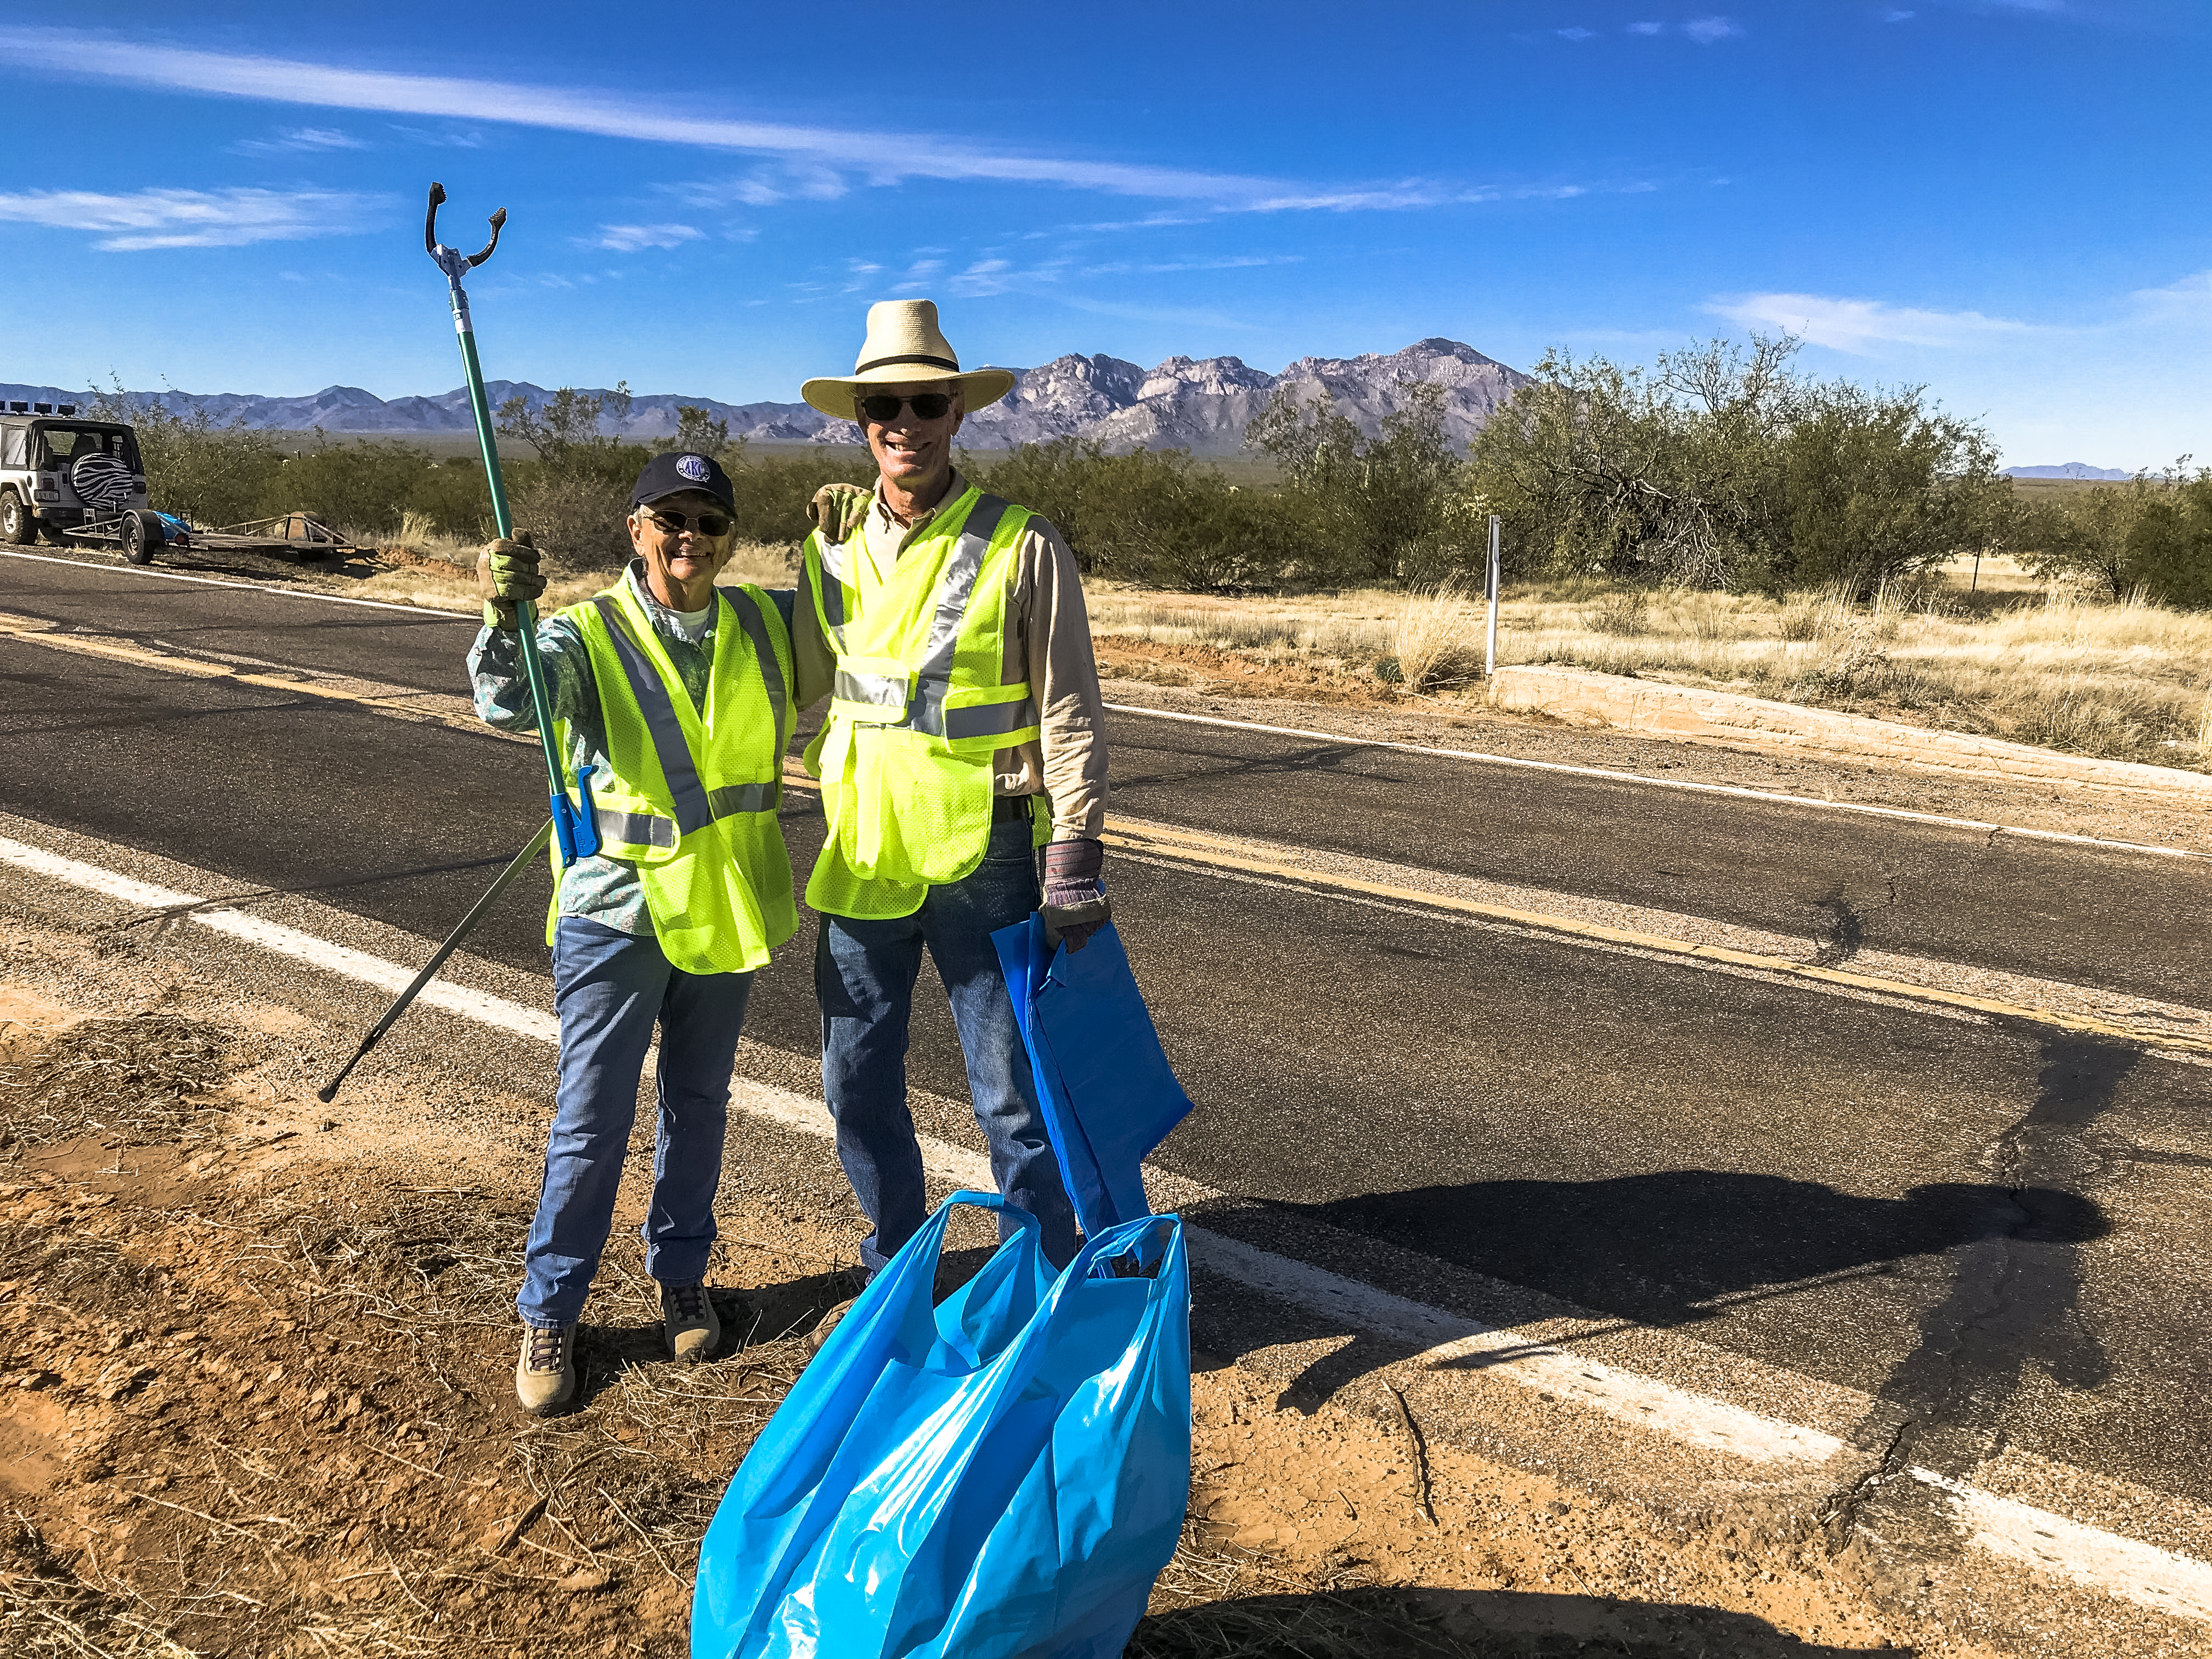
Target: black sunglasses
pixel 709 525
pixel 927 406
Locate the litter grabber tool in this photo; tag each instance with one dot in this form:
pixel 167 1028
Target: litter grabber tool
pixel 329 1092
pixel 574 825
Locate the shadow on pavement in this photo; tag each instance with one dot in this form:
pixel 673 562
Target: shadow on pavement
pixel 1676 1248
pixel 1359 1624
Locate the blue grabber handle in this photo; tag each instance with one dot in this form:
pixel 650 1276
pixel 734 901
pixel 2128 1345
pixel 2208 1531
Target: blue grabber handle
pixel 576 831
pixel 576 828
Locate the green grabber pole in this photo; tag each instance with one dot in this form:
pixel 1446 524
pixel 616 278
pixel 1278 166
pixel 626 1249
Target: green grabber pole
pixel 578 831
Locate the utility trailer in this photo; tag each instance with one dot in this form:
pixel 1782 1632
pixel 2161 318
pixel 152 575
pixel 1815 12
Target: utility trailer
pixel 142 534
pixel 83 482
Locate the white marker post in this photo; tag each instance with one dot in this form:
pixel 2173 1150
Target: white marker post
pixel 1490 651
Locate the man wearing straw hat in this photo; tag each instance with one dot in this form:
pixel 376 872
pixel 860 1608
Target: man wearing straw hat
pixel 965 731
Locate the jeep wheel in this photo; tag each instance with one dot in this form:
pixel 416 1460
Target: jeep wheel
pixel 16 524
pixel 141 535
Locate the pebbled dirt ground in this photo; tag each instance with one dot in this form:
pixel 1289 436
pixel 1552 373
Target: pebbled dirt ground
pixel 254 1373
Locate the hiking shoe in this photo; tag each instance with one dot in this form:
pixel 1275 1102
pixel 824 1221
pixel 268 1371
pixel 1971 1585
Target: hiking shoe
pixel 687 1315
pixel 829 1322
pixel 545 1375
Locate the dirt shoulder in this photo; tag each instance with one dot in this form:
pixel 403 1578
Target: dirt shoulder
pixel 255 1359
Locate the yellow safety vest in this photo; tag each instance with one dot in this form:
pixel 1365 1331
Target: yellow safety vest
pixel 693 800
pixel 918 709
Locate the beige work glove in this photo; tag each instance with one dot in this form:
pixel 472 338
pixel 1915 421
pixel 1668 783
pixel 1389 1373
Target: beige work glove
pixel 506 576
pixel 839 509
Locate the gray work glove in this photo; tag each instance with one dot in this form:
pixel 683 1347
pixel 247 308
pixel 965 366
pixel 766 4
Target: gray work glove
pixel 506 576
pixel 1075 904
pixel 839 509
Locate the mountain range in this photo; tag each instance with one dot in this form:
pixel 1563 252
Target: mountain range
pixel 1199 404
pixel 2068 469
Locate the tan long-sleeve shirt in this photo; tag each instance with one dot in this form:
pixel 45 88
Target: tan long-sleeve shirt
pixel 1048 644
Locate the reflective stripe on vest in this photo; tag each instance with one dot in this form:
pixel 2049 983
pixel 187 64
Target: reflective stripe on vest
pixel 694 779
pixel 832 565
pixel 918 699
pixel 695 806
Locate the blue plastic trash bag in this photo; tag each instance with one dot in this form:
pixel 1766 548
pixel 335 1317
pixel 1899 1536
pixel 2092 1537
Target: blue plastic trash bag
pixel 1001 1477
pixel 1108 1093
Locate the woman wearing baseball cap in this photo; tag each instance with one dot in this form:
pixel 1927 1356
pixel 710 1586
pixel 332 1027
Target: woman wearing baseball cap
pixel 676 694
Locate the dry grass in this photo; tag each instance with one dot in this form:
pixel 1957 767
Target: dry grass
pixel 2013 658
pixel 146 1081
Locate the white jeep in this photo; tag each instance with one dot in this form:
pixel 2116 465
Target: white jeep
pixel 59 473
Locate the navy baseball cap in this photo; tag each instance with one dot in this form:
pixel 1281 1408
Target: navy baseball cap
pixel 674 473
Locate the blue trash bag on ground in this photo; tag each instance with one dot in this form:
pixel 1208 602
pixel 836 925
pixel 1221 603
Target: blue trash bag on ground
pixel 999 1477
pixel 1108 1094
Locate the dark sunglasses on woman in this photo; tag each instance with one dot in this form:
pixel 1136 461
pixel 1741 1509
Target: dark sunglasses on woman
pixel 881 406
pixel 709 525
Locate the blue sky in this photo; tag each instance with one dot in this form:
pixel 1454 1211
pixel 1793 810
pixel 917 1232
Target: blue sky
pixel 2003 199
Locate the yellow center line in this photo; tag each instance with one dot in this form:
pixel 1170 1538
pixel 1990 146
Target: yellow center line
pixel 394 701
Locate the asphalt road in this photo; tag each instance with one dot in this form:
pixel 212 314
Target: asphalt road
pixel 1994 1228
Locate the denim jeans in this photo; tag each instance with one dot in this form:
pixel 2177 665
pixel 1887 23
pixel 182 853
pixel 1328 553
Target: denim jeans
pixel 864 974
pixel 609 988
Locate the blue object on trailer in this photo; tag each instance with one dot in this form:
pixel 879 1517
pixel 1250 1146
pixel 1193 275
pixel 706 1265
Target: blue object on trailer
pixel 1108 1094
pixel 1002 1476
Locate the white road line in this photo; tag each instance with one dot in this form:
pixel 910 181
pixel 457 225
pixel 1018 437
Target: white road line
pixel 433 612
pixel 2139 1572
pixel 479 1006
pixel 1738 791
pixel 2143 1573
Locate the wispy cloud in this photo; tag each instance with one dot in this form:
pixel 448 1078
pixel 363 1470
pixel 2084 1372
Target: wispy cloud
pixel 1706 30
pixel 299 138
pixel 195 218
pixel 1647 29
pixel 1577 32
pixel 1859 326
pixel 1240 262
pixel 879 155
pixel 628 239
pixel 815 161
pixel 764 187
pixel 2188 301
pixel 444 140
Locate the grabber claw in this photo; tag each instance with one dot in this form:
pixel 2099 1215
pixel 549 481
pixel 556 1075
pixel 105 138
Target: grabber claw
pixel 430 230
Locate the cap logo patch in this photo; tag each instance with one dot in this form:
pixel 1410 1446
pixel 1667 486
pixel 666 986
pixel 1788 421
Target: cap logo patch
pixel 693 467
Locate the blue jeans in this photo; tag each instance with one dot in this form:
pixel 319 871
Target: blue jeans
pixel 864 974
pixel 609 988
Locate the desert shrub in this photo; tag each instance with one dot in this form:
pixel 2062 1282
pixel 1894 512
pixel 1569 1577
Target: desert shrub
pixel 1718 467
pixel 772 493
pixel 1625 615
pixel 362 488
pixel 1381 507
pixel 1158 517
pixel 578 517
pixel 451 496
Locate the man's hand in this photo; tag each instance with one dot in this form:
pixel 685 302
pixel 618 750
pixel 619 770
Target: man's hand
pixel 506 575
pixel 1075 904
pixel 839 509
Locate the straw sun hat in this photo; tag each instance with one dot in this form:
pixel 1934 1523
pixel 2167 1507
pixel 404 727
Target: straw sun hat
pixel 904 345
